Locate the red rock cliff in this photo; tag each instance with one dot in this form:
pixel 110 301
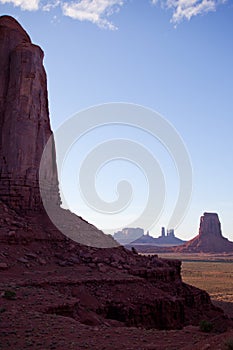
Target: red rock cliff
pixel 24 120
pixel 210 225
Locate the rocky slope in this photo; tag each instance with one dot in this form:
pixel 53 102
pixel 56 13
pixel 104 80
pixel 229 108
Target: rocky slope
pixel 47 279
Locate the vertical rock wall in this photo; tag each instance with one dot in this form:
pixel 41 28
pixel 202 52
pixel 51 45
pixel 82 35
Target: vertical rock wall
pixel 210 225
pixel 24 120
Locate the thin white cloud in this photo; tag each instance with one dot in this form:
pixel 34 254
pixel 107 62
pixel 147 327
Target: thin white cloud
pixel 30 5
pixel 51 5
pixel 95 11
pixel 99 11
pixel 186 9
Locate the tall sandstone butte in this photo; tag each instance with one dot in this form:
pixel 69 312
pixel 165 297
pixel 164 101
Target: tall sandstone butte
pixel 209 239
pixel 24 120
pixel 24 132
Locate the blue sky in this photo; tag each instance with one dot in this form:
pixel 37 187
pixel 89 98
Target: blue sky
pixel 173 56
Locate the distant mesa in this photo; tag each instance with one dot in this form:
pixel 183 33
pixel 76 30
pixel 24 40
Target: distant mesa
pixel 136 237
pixel 128 235
pixel 209 239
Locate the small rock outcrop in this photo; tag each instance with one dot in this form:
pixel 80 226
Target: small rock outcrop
pixel 209 239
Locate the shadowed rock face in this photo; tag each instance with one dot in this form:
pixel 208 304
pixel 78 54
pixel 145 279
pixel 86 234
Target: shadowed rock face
pixel 24 120
pixel 210 238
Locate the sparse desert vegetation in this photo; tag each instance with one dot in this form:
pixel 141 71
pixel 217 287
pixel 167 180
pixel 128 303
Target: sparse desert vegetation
pixel 205 326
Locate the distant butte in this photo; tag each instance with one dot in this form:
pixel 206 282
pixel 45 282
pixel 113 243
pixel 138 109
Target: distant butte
pixel 147 241
pixel 209 239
